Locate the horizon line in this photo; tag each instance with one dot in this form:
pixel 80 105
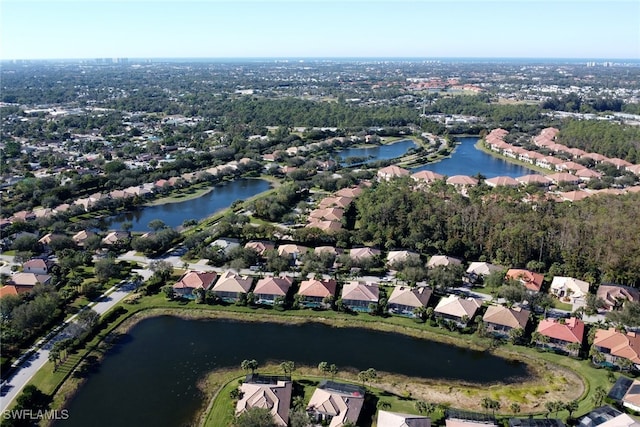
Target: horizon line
pixel 271 58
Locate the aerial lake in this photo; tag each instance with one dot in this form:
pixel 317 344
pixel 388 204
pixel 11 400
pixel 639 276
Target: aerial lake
pixel 174 214
pixel 468 160
pixel 149 377
pixel 379 152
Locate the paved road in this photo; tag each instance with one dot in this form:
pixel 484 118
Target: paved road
pixel 26 367
pixel 6 262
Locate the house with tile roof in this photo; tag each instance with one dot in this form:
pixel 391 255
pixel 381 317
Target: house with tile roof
pixel 569 289
pixel 427 177
pixel 269 288
pixel 396 419
pixel 260 246
pixel 357 296
pixel 501 320
pixel 618 163
pixel 501 181
pixel 292 251
pixel 396 257
pixel 626 392
pixel 29 279
pixel 327 214
pixel 192 280
pixel 36 266
pixel 7 290
pixel 404 300
pixel 230 285
pixel 81 237
pixel 606 416
pixel 391 172
pixel 332 250
pixel 313 292
pixel 335 202
pixel 530 280
pixel 573 196
pixel 588 174
pixel 336 404
pixel 563 178
pixel 616 345
pixel 458 310
pixel 225 244
pixel 325 225
pixel 115 237
pixel 49 237
pixel 442 261
pixel 614 296
pixel 460 181
pixel 477 271
pixel 271 393
pixel 359 254
pixel 561 333
pixel 351 192
pixel 534 179
pixel 631 398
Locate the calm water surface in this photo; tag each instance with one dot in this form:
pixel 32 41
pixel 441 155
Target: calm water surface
pixel 150 377
pixel 468 160
pixel 174 214
pixel 379 152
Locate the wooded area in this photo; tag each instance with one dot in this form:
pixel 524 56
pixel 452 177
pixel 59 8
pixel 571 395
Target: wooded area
pixel 597 239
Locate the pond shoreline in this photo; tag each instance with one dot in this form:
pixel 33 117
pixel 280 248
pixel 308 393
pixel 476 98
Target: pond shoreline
pixel 437 390
pixel 566 382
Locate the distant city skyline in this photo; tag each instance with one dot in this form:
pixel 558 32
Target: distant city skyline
pixel 88 29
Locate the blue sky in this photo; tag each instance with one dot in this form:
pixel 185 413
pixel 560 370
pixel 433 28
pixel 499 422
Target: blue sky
pixel 349 28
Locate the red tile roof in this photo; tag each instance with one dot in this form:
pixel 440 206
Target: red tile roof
pixel 532 281
pixel 571 331
pixel 318 288
pixel 620 345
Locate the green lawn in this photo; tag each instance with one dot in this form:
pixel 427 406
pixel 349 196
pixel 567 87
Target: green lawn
pixel 49 382
pixel 562 305
pixel 222 407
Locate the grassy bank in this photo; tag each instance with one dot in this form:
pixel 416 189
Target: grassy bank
pixel 182 195
pixel 554 377
pixel 220 411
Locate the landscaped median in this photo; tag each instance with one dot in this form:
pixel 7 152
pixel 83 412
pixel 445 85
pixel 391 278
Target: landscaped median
pixel 556 377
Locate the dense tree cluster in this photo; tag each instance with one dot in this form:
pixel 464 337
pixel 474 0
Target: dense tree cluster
pixel 573 103
pixel 24 318
pixel 597 238
pixel 596 136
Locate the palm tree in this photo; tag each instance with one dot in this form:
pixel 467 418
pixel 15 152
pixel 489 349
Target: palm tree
pixel 571 407
pixel 333 370
pixel 323 367
pixel 515 408
pixel 199 293
pixel 574 348
pixel 515 335
pixel 429 313
pixel 383 404
pixel 249 365
pixel 288 366
pixel 488 403
pixel 420 313
pixel 54 356
pixel 598 396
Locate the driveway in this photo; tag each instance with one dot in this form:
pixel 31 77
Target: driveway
pixel 36 357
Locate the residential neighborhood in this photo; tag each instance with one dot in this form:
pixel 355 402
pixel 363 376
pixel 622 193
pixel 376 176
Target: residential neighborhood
pixel 490 209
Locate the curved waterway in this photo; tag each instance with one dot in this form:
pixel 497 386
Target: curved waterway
pixel 378 152
pixel 174 214
pixel 150 376
pixel 468 160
